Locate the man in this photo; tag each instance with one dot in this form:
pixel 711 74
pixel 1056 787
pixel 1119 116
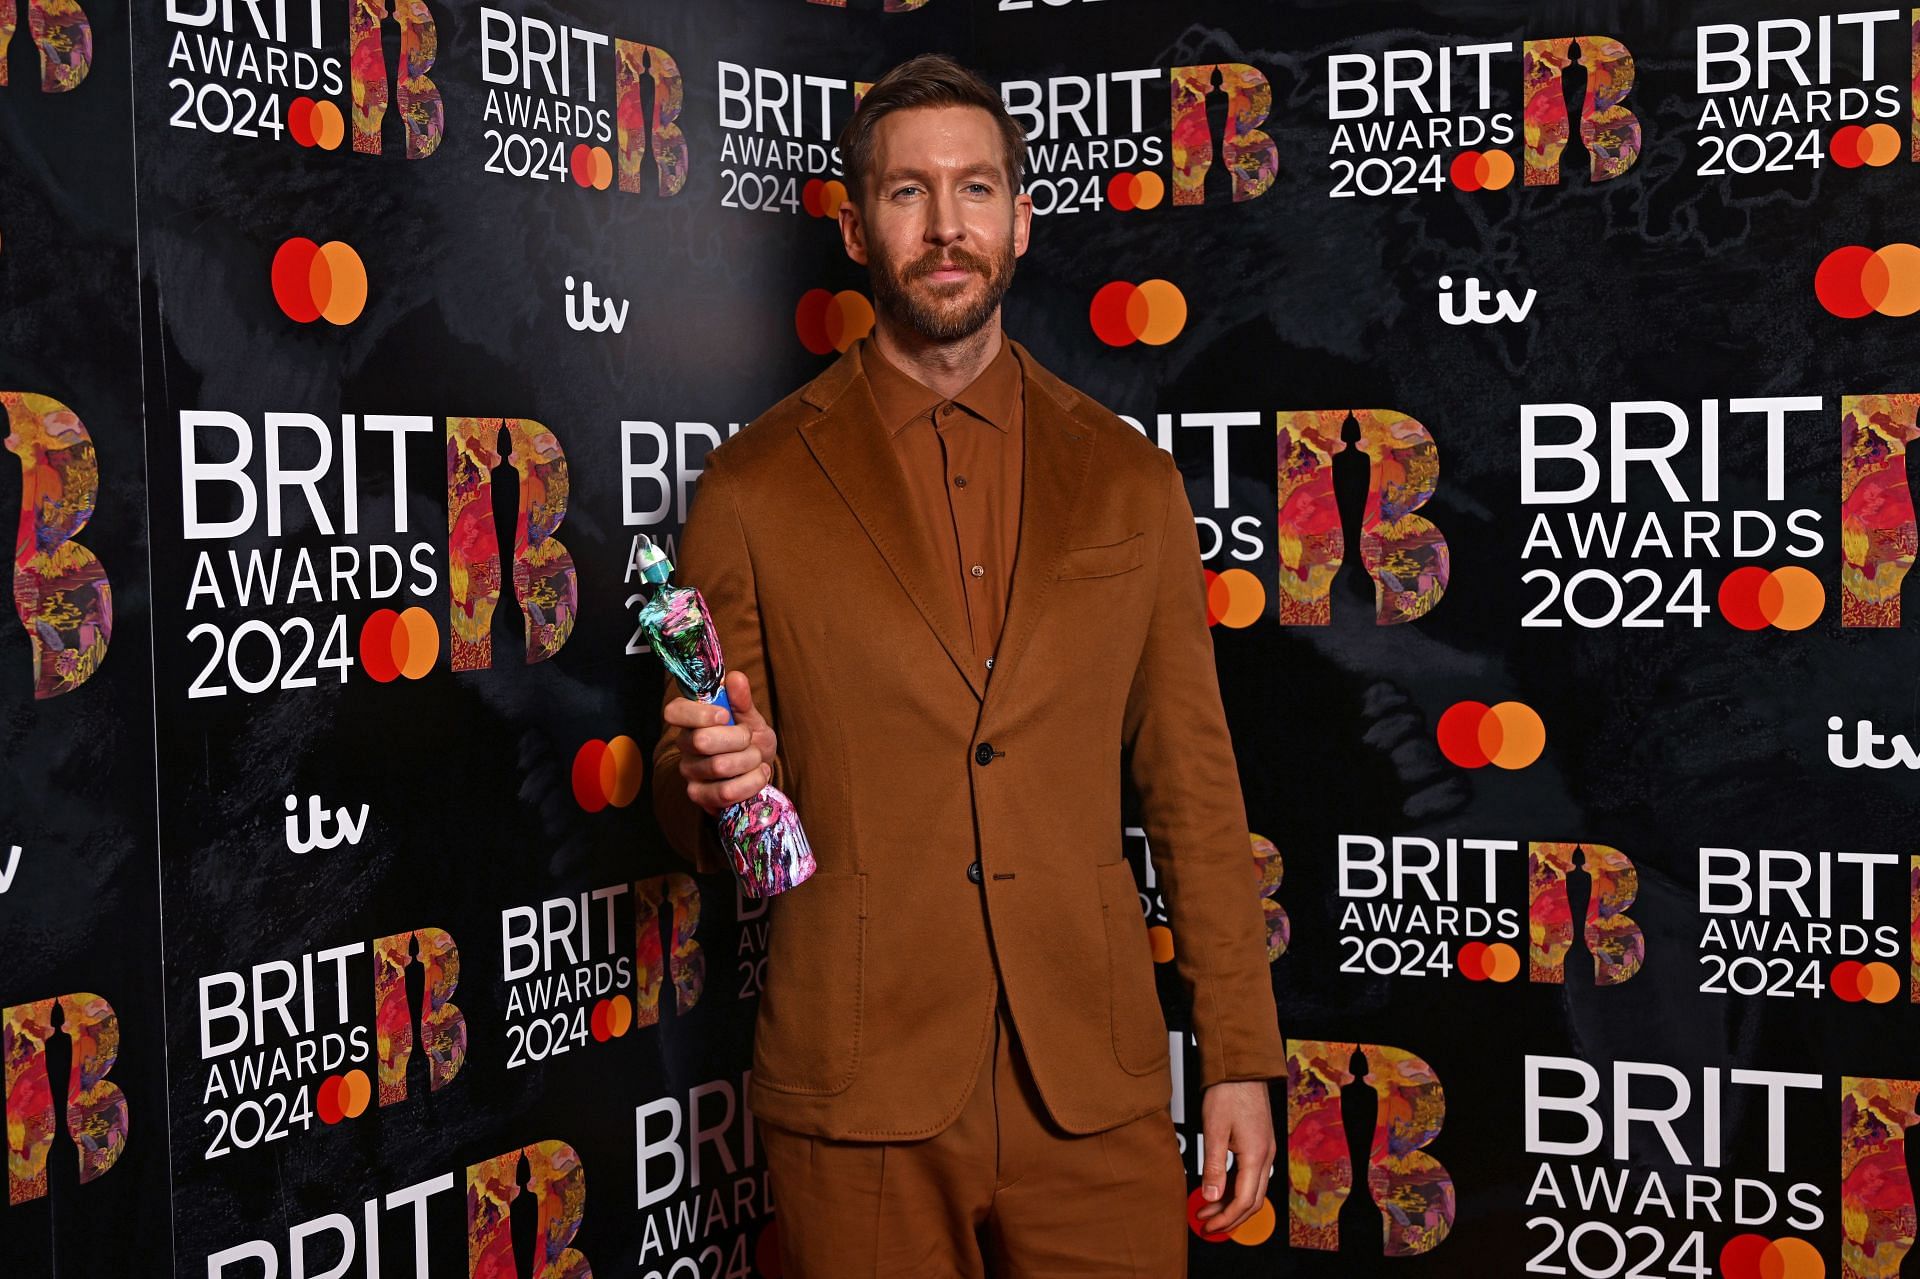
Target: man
pixel 974 596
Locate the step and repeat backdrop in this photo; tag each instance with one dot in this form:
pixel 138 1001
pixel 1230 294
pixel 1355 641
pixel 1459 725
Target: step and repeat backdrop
pixel 1543 377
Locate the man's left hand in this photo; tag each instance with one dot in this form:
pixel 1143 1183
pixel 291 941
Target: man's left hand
pixel 1235 1116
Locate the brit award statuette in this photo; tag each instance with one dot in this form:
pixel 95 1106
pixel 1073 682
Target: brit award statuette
pixel 761 835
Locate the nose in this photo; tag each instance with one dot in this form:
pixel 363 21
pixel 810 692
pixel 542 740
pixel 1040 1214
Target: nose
pixel 944 223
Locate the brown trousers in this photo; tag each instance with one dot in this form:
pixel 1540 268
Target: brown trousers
pixel 1001 1191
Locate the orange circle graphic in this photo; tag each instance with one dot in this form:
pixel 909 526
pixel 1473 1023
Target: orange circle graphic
pixel 1502 962
pixel 849 318
pixel 1149 189
pixel 1798 598
pixel 1512 735
pixel 1257 1228
pixel 1878 982
pixel 329 126
pixel 338 280
pixel 1879 144
pixel 416 642
pixel 623 770
pixel 1235 598
pixel 1495 170
pixel 1163 312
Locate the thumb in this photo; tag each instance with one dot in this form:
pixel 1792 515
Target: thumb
pixel 1213 1175
pixel 740 696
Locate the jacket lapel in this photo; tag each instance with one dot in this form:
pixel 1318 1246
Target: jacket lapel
pixel 1058 450
pixel 851 446
pixel 849 442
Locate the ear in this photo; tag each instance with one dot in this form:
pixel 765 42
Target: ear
pixel 1022 222
pixel 853 231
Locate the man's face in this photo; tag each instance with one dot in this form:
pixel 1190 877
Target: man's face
pixel 939 226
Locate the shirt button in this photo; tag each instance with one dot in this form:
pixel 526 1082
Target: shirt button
pixel 960 481
pixel 946 410
pixel 973 871
pixel 983 753
pixel 977 571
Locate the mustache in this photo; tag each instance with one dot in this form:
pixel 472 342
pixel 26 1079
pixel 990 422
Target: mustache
pixel 937 261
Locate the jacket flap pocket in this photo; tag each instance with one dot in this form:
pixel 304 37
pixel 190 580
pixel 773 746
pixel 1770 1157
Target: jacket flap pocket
pixel 1104 561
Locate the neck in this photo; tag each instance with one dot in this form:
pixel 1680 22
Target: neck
pixel 946 367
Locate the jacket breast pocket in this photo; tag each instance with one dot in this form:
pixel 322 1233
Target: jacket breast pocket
pixel 1107 560
pixel 807 1036
pixel 1139 1028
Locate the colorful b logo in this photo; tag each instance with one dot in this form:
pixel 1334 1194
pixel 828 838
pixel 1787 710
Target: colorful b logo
pixel 1404 554
pixel 543 574
pixel 96 1110
pixel 60 589
pixel 63 37
pixel 443 1027
pixel 557 1180
pixel 682 955
pixel 1413 1190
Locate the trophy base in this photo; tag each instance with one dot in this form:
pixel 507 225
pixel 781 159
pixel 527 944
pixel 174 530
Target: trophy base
pixel 765 842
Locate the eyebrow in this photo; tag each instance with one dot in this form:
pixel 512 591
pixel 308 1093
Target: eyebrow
pixel 972 170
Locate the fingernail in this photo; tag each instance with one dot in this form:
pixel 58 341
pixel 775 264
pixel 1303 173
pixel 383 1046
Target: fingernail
pixel 1212 1192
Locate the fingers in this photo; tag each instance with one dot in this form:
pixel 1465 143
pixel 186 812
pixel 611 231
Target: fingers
pixel 1213 1175
pixel 689 713
pixel 1251 1171
pixel 714 796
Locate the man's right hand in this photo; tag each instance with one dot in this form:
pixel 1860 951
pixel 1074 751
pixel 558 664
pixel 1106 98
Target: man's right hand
pixel 723 763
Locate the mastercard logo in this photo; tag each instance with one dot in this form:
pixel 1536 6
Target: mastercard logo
pixel 590 166
pixel 1153 312
pixel 823 199
pixel 1853 981
pixel 1481 170
pixel 1506 735
pixel 829 322
pixel 1234 598
pixel 1497 962
pixel 1254 1231
pixel 342 1096
pixel 315 124
pixel 607 773
pixel 1754 598
pixel 1854 281
pixel 1874 145
pixel 314 281
pixel 1129 191
pixel 611 1018
pixel 1758 1257
pixel 395 644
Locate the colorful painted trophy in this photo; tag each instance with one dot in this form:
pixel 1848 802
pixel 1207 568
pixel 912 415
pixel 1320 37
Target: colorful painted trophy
pixel 762 835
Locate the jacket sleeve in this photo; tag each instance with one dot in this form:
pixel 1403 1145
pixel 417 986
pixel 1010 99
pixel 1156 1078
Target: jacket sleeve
pixel 713 557
pixel 1183 769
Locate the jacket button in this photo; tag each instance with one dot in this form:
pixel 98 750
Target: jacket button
pixel 973 871
pixel 983 753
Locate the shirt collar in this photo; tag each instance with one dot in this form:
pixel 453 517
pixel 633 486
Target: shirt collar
pixel 993 396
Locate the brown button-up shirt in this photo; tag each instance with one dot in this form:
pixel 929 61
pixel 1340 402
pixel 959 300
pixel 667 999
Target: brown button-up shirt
pixel 963 459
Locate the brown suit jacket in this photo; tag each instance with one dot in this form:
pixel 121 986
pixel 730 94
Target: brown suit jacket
pixel 881 973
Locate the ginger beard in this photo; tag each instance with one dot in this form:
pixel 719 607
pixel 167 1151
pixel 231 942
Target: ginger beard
pixel 941 310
